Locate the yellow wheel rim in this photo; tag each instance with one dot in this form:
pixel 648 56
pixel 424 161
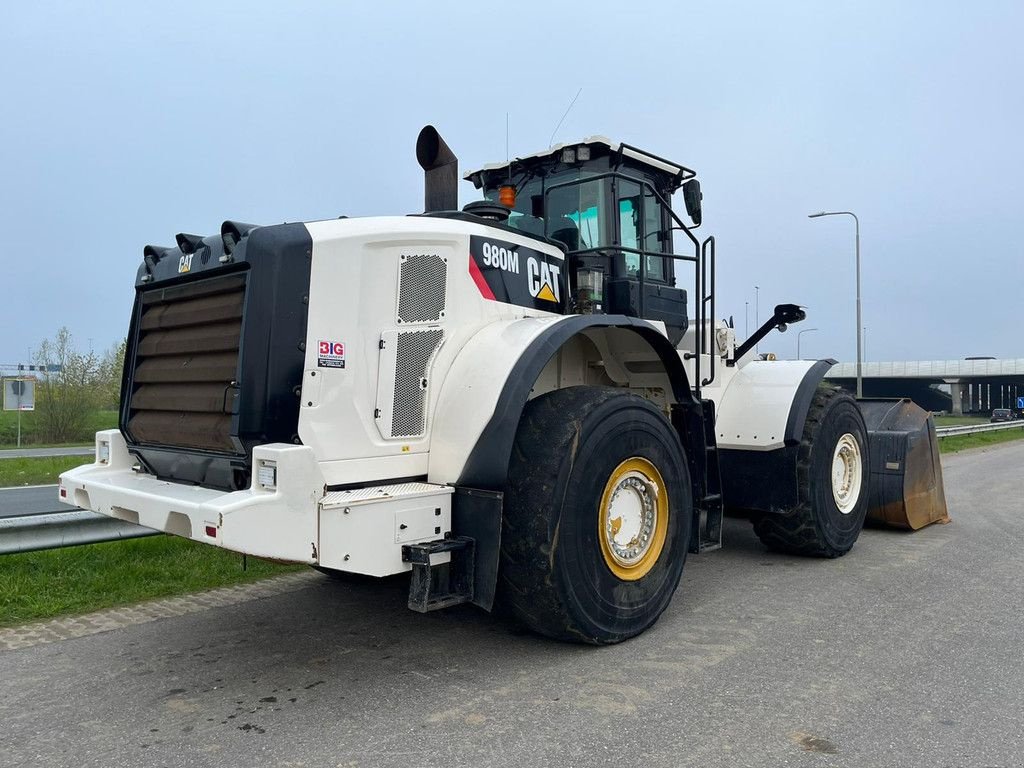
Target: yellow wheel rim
pixel 633 519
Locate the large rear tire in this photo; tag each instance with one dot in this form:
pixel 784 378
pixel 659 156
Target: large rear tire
pixel 597 516
pixel 832 476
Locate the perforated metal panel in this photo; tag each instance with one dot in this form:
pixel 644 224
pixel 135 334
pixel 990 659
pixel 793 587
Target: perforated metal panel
pixel 403 383
pixel 422 283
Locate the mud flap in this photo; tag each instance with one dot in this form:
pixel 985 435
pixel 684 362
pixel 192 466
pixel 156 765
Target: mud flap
pixel 905 487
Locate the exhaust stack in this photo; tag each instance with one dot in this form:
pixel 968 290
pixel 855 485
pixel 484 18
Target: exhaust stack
pixel 441 171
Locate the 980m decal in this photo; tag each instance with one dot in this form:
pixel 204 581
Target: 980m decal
pixel 515 274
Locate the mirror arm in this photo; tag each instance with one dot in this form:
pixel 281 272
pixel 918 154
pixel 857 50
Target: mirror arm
pixel 785 315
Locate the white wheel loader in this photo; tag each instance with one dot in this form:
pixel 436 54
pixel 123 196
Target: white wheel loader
pixel 528 401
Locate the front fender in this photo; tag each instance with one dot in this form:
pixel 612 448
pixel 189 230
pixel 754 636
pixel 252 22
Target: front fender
pixel 765 405
pixel 760 423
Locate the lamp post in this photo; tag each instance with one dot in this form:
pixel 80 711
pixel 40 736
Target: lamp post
pixel 860 378
pixel 757 311
pixel 798 335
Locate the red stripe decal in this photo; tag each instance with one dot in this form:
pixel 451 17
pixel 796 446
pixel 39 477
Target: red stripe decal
pixel 478 278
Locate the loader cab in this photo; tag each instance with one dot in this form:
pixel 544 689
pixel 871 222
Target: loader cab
pixel 609 206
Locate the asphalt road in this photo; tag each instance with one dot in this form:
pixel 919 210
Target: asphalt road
pixel 31 500
pixel 906 652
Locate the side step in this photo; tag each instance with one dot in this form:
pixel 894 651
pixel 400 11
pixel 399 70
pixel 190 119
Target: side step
pixel 698 424
pixel 438 581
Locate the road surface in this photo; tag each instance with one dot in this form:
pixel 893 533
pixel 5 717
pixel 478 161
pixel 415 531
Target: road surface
pixel 30 500
pixel 906 652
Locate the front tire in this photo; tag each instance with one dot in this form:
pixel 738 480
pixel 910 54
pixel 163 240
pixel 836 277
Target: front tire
pixel 598 514
pixel 832 473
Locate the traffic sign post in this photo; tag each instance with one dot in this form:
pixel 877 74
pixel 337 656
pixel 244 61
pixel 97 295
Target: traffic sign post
pixel 1020 403
pixel 19 395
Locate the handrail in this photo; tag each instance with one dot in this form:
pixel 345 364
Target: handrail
pixel 699 278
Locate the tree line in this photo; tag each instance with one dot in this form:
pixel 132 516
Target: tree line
pixel 73 386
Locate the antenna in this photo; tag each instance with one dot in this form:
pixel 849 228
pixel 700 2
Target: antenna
pixel 506 137
pixel 552 141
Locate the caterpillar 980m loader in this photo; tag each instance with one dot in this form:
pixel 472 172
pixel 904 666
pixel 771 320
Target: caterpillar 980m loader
pixel 527 401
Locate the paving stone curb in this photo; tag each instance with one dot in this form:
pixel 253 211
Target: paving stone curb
pixel 67 628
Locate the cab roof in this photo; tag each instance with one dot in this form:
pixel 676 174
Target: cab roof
pixel 600 146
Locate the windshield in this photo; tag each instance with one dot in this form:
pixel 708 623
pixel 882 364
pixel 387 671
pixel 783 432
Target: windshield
pixel 579 215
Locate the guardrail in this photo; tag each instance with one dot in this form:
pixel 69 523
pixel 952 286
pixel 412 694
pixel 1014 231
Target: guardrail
pixel 970 429
pixel 51 530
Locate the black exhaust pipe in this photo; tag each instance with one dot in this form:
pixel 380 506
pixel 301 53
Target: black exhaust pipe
pixel 232 232
pixel 441 171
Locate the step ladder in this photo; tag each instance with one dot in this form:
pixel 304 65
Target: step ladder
pixel 705 474
pixel 437 581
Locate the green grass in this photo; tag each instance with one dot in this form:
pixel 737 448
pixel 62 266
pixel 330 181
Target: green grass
pixel 959 421
pixel 73 580
pixel 956 443
pixel 38 470
pixel 30 437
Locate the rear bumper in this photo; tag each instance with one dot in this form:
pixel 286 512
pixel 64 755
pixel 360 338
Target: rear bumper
pixel 278 522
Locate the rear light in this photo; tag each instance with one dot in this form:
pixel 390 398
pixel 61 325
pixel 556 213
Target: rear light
pixel 211 531
pixel 103 452
pixel 63 493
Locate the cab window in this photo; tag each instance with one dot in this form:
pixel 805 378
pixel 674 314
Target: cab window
pixel 639 224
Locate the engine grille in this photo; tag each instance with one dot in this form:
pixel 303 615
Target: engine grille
pixel 422 283
pixel 184 384
pixel 415 351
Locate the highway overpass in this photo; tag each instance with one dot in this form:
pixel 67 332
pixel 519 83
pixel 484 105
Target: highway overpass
pixel 956 386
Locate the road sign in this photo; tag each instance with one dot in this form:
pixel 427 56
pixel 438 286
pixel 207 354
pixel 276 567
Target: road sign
pixel 1020 403
pixel 19 394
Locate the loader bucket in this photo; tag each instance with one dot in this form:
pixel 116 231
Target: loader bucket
pixel 905 487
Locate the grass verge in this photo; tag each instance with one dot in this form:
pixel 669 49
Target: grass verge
pixel 31 436
pixel 73 580
pixel 956 443
pixel 38 470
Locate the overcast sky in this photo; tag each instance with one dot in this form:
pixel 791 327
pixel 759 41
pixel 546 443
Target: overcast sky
pixel 122 125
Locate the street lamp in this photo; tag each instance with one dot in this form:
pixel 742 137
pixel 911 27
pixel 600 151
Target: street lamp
pixel 860 379
pixel 757 311
pixel 798 335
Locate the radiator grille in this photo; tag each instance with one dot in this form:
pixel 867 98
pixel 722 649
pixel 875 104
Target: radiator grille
pixel 184 385
pixel 414 352
pixel 422 282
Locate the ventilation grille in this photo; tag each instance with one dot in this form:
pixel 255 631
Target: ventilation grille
pixel 422 280
pixel 413 353
pixel 186 361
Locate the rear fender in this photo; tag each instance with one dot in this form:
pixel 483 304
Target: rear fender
pixel 489 384
pixel 508 363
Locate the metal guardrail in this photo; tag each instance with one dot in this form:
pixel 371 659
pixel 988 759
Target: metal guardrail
pixel 970 429
pixel 64 529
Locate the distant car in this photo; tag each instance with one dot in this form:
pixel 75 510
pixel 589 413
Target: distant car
pixel 1002 414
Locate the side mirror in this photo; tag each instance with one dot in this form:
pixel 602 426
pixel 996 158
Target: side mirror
pixel 692 198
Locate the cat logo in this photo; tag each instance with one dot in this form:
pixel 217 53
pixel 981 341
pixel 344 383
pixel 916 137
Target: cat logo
pixel 542 279
pixel 185 263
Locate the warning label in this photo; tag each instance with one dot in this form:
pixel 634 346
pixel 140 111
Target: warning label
pixel 330 354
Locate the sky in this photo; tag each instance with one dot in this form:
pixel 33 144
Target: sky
pixel 122 125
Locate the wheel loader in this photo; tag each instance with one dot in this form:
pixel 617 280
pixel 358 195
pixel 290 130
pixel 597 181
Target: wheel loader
pixel 526 402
